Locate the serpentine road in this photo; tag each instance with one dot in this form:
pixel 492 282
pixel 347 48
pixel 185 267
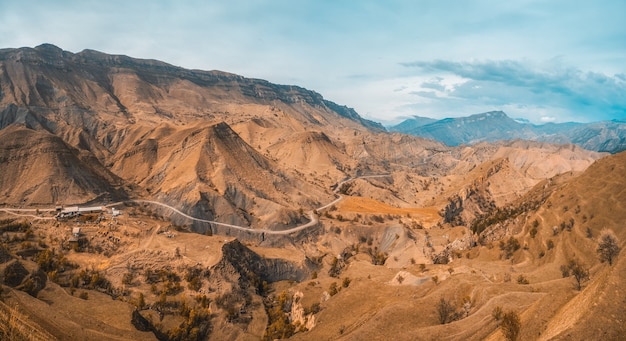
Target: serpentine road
pixel 314 219
pixel 312 216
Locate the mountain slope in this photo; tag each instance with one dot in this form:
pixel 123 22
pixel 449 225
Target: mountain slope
pixel 39 168
pixel 607 136
pixel 168 132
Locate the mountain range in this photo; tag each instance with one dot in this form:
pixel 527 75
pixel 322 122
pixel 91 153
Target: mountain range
pixel 604 136
pixel 251 210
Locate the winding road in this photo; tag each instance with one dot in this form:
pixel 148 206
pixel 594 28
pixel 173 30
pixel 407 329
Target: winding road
pixel 313 218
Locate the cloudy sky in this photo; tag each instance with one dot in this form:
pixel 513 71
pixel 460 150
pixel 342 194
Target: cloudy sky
pixel 542 60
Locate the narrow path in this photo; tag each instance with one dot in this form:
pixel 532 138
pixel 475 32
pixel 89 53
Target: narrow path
pixel 313 218
pixel 10 211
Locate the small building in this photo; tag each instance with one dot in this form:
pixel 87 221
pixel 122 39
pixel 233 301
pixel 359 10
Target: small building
pixel 94 209
pixel 76 232
pixel 115 212
pixel 70 210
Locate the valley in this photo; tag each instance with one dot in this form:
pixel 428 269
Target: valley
pixel 248 210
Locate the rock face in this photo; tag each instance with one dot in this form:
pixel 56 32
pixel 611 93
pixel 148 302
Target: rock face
pixel 92 127
pixel 40 168
pixel 607 136
pixel 238 261
pixel 79 127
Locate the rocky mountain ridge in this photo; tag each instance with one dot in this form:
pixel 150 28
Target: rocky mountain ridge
pixel 605 136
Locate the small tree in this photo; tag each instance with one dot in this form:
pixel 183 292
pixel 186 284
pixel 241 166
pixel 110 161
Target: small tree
pixel 608 246
pixel 510 325
pixel 445 311
pixel 333 289
pixel 509 247
pixel 576 269
pixel 581 274
pixel 497 314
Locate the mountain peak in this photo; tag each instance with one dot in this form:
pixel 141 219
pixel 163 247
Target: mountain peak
pixel 48 47
pixel 491 115
pixel 607 136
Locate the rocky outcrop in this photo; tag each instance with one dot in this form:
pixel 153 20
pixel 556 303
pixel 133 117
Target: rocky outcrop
pixel 241 263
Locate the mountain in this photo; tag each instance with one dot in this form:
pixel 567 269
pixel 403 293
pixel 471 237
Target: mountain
pixel 129 127
pixel 252 210
pixel 40 168
pixel 412 123
pixel 605 136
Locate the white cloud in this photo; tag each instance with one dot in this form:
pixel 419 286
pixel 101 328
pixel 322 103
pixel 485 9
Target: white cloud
pixel 320 45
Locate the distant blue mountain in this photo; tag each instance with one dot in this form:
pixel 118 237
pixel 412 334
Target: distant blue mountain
pixel 604 136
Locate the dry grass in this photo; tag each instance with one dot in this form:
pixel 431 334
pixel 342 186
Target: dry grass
pixel 16 326
pixel 428 215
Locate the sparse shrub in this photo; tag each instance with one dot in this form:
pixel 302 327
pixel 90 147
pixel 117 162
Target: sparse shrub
pixel 128 278
pixel 507 277
pixel 589 233
pixel 50 261
pixel 445 311
pixel 542 253
pixel 279 326
pixel 510 325
pixel 521 279
pixel 400 279
pixel 608 246
pixel 346 282
pixel 193 276
pixel 314 309
pixel 195 284
pixel 333 289
pixel 509 247
pixel 335 267
pixel 435 279
pixel 564 271
pixel 497 314
pixel 83 295
pixel 550 244
pixel 314 275
pixel 378 218
pixel 379 258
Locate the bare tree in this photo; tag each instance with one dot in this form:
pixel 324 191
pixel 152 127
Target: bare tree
pixel 446 311
pixel 608 246
pixel 510 325
pixel 579 271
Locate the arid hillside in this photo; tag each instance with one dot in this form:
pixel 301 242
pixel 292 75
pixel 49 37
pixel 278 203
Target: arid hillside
pixel 213 206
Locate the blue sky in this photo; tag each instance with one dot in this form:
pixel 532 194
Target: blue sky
pixel 546 61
